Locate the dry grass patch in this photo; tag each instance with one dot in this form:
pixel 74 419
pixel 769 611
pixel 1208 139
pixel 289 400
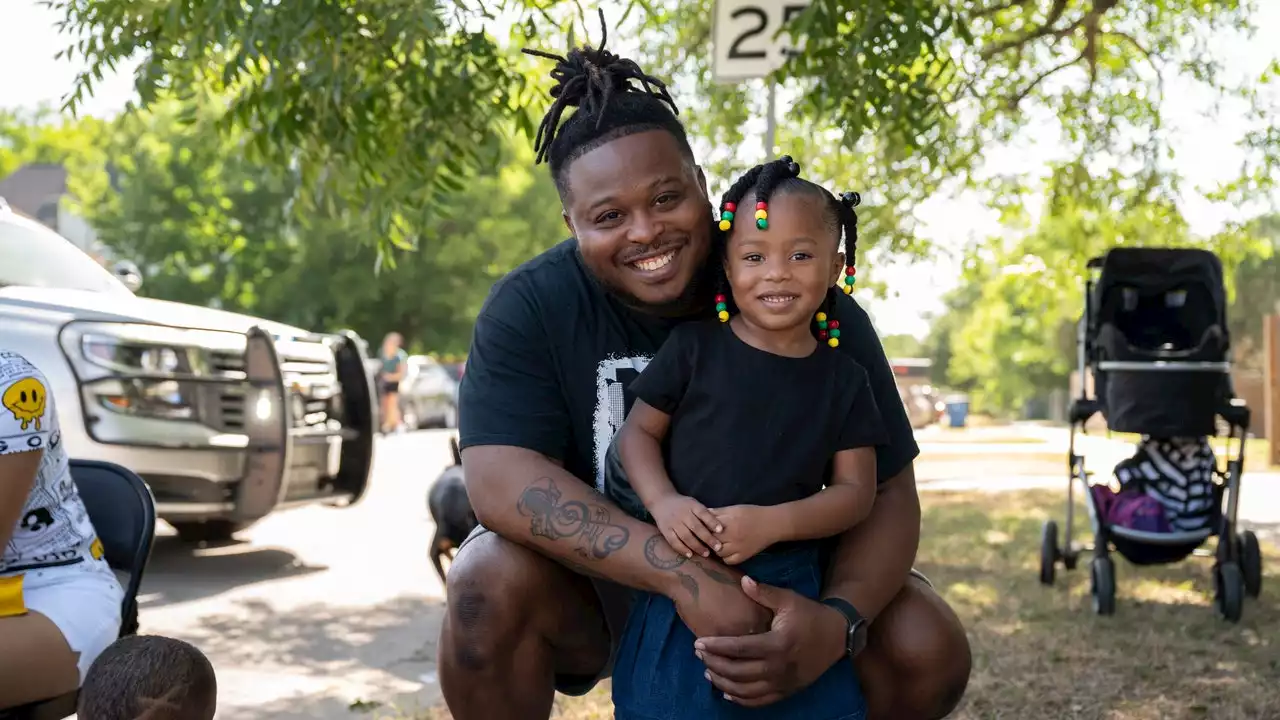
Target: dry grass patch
pixel 1041 652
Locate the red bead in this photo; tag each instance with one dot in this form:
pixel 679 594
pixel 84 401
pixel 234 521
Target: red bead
pixel 822 334
pixel 719 298
pixel 851 270
pixel 834 324
pixel 762 205
pixel 731 206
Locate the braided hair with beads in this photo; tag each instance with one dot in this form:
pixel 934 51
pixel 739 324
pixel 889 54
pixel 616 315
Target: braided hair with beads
pixel 609 105
pixel 783 176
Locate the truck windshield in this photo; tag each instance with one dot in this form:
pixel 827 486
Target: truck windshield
pixel 34 256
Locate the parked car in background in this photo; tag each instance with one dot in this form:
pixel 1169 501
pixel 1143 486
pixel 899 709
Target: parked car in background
pixel 227 417
pixel 429 394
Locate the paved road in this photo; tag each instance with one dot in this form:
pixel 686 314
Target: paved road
pixel 315 608
pixel 319 608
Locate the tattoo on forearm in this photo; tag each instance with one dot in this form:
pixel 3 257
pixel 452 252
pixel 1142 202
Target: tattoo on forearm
pixel 659 554
pixel 591 526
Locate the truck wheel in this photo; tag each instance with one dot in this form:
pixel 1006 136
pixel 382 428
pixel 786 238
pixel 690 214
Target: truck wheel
pixel 209 531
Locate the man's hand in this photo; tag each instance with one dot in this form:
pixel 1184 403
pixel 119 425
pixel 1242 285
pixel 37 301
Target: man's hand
pixel 688 526
pixel 804 641
pixel 708 595
pixel 747 530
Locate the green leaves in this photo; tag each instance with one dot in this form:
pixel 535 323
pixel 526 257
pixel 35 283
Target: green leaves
pixel 382 103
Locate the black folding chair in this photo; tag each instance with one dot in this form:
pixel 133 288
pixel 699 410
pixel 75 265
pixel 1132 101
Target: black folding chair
pixel 124 515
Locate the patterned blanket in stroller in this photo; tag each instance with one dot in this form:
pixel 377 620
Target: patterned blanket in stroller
pixel 1178 473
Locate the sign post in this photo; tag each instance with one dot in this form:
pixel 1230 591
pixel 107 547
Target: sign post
pixel 748 42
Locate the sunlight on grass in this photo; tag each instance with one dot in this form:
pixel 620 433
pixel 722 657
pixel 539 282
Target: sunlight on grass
pixel 1040 652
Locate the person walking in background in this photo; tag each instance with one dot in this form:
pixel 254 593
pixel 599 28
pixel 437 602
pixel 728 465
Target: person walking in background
pixel 394 361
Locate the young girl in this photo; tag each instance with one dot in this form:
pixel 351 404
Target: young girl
pixel 738 424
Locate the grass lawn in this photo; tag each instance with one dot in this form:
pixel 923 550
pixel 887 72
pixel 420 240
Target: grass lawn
pixel 1041 652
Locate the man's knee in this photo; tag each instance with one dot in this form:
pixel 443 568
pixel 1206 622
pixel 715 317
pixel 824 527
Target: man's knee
pixel 921 638
pixel 493 592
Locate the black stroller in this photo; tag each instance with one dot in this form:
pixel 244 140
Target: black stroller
pixel 1154 335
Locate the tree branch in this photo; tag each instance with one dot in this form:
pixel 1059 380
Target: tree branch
pixel 1022 94
pixel 988 12
pixel 1055 14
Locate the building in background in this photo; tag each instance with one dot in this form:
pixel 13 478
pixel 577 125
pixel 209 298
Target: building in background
pixel 39 191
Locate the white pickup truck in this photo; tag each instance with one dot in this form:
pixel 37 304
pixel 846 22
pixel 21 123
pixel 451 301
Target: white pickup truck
pixel 227 417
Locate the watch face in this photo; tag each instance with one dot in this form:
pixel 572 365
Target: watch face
pixel 857 638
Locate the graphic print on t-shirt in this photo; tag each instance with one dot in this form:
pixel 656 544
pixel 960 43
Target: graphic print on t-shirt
pixel 54 528
pixel 613 376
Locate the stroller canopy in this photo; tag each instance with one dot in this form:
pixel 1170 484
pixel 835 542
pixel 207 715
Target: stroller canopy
pixel 1161 296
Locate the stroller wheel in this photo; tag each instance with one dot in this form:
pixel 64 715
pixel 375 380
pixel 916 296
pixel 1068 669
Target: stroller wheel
pixel 1102 582
pixel 1048 552
pixel 1228 591
pixel 1251 563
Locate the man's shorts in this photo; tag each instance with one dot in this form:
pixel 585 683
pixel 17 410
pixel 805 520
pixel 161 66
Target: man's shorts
pixel 615 601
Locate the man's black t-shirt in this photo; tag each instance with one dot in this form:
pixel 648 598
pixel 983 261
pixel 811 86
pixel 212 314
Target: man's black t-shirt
pixel 554 353
pixel 749 427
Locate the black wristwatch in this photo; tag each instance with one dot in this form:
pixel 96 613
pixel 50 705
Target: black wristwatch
pixel 856 636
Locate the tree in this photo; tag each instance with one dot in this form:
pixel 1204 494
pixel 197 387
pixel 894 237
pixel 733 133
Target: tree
pixel 392 101
pixel 1257 295
pixel 41 136
pixel 211 226
pixel 385 103
pixel 1012 336
pixel 903 97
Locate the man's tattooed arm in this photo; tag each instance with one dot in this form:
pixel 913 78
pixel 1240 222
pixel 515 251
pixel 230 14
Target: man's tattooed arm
pixel 589 525
pixel 659 554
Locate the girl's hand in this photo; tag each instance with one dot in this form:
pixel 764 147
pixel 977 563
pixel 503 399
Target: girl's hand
pixel 747 530
pixel 688 526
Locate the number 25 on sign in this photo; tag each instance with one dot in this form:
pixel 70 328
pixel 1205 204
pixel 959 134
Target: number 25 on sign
pixel 746 37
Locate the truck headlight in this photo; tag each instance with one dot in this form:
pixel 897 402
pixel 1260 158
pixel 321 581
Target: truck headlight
pixel 163 399
pixel 150 394
pixel 129 357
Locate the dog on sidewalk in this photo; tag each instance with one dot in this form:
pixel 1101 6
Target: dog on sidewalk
pixel 450 510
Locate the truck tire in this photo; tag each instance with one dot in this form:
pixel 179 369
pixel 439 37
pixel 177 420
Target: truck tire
pixel 209 531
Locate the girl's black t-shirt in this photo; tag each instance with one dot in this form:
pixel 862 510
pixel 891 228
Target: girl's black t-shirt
pixel 554 355
pixel 751 427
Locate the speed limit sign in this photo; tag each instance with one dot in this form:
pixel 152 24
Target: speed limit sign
pixel 746 39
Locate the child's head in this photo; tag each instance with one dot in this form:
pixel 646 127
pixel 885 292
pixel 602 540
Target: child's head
pixel 148 677
pixel 780 238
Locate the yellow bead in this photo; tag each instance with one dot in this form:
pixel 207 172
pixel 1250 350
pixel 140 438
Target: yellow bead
pixel 762 215
pixel 820 317
pixel 723 315
pixel 725 225
pixel 848 289
pixel 834 342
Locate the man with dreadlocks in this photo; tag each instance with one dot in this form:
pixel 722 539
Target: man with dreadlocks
pixel 538 596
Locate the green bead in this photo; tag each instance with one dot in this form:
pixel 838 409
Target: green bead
pixel 835 333
pixel 762 223
pixel 822 324
pixel 850 279
pixel 721 306
pixel 726 215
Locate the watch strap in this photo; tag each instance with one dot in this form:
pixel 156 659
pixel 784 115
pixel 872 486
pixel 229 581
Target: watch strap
pixel 856 627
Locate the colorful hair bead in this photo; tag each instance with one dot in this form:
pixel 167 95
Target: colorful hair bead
pixel 726 216
pixel 762 215
pixel 850 279
pixel 827 329
pixel 722 308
